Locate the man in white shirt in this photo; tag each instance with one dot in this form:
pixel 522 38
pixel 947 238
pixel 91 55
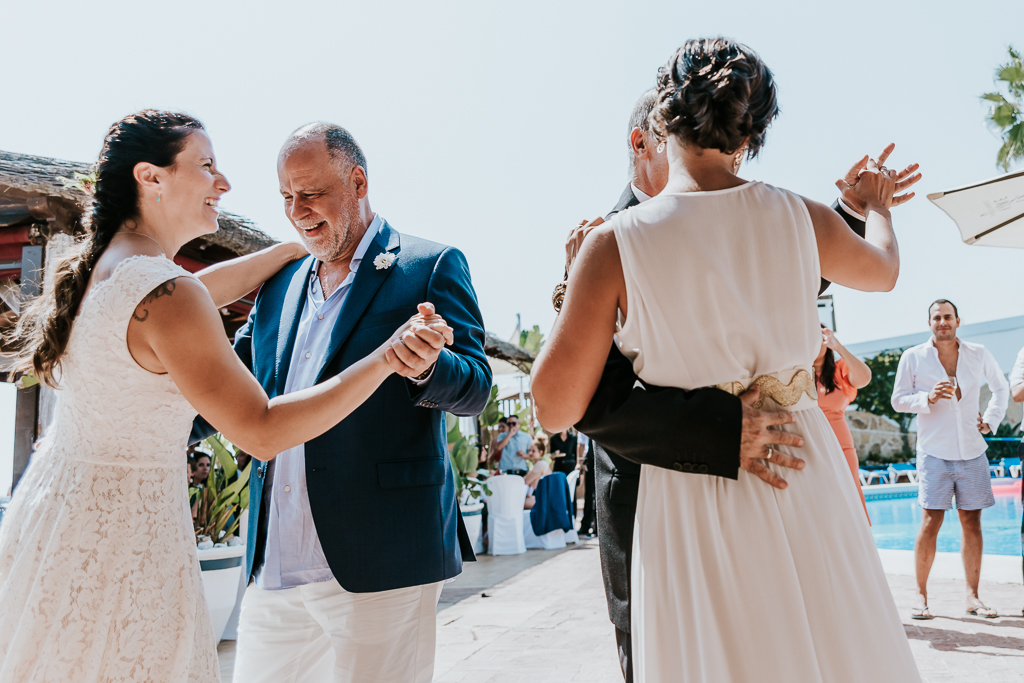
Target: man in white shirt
pixel 941 380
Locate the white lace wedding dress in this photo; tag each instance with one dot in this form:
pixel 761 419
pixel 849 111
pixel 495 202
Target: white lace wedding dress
pixel 99 576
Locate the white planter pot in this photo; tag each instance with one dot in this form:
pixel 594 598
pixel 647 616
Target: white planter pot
pixel 472 515
pixel 222 570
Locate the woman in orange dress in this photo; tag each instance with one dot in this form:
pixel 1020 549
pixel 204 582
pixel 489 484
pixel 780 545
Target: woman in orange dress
pixel 838 382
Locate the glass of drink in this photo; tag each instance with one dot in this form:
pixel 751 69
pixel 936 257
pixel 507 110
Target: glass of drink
pixel 952 381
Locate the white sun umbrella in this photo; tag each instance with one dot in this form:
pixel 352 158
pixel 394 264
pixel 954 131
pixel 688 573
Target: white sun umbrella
pixel 990 213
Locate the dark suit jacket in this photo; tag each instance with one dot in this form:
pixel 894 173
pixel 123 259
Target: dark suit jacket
pixel 385 467
pixel 688 431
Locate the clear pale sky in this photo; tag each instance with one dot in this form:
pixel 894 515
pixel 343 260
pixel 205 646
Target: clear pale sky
pixel 495 127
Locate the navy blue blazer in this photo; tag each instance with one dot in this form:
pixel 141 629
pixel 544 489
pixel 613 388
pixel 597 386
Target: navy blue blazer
pixel 381 490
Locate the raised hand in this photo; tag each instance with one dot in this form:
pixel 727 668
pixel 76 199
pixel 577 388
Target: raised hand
pixel 903 180
pixel 415 346
pixel 830 339
pixel 575 240
pixel 758 440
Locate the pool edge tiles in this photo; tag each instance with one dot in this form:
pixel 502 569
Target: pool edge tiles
pixel 890 491
pixel 994 568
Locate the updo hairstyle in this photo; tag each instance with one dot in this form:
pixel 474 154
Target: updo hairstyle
pixel 714 93
pixel 44 325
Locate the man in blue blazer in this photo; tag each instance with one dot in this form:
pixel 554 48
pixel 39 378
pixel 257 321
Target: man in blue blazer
pixel 351 535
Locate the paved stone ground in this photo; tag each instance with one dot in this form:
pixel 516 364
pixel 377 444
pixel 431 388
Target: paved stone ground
pixel 956 647
pixel 548 624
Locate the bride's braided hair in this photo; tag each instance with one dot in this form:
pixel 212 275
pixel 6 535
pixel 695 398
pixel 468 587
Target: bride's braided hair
pixel 714 93
pixel 44 325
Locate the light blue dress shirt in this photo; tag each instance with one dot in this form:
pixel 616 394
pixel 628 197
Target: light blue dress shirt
pixel 510 459
pixel 293 555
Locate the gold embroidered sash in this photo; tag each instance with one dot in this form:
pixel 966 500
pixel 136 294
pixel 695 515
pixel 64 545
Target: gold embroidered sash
pixel 785 395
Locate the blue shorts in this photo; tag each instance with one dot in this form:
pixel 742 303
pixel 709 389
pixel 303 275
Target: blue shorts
pixel 940 480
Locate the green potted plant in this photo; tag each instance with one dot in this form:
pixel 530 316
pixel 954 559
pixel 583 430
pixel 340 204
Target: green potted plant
pixel 220 513
pixel 470 483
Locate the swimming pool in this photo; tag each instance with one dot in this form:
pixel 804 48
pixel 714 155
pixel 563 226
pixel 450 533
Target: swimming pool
pixel 896 517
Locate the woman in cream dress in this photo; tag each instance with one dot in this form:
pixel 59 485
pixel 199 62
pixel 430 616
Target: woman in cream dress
pixel 714 283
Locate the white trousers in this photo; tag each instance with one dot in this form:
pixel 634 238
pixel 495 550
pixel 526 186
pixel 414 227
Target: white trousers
pixel 321 633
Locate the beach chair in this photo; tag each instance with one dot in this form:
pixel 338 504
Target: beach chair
pixel 1012 466
pixel 902 469
pixel 867 477
pixel 997 470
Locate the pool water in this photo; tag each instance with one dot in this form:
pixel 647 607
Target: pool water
pixel 895 522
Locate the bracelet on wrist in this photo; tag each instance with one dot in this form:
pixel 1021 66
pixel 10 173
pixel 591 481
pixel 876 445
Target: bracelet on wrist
pixel 426 373
pixel 558 296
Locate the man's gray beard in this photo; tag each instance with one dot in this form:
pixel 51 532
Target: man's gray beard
pixel 332 253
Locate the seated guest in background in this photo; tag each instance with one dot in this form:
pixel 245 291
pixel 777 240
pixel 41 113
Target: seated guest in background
pixel 541 467
pixel 241 461
pixel 202 461
pixel 538 450
pixel 563 451
pixel 838 382
pixel 544 448
pixel 513 449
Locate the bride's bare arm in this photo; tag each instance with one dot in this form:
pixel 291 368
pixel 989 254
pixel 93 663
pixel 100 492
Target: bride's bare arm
pixel 871 263
pixel 178 330
pixel 569 366
pixel 229 281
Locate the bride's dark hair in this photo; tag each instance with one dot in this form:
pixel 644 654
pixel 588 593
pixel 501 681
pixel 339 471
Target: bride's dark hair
pixel 43 328
pixel 715 93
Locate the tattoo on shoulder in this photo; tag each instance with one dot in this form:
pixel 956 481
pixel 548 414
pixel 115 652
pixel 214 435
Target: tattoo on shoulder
pixel 141 313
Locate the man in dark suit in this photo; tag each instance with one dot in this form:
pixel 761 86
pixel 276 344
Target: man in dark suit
pixel 705 431
pixel 336 593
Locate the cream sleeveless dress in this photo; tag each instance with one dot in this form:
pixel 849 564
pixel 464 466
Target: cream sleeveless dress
pixel 99 577
pixel 735 581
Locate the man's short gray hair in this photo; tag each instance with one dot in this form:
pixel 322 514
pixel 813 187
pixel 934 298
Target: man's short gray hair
pixel 641 118
pixel 341 145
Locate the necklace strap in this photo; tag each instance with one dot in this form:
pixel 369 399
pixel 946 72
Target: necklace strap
pixel 142 234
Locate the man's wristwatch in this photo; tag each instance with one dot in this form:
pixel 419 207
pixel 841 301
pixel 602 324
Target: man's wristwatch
pixel 426 373
pixel 558 296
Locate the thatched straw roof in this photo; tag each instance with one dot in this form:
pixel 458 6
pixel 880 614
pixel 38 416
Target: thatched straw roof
pixel 510 353
pixel 41 175
pixel 56 177
pixel 239 234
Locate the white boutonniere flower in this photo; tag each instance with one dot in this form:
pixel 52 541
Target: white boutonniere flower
pixel 384 261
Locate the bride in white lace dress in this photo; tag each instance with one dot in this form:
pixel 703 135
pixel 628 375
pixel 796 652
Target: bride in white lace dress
pixel 714 284
pixel 99 577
